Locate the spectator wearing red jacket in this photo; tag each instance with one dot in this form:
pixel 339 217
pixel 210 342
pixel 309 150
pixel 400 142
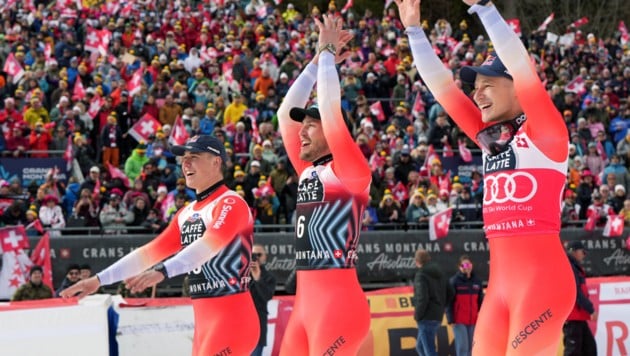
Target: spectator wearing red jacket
pixel 39 140
pixel 462 311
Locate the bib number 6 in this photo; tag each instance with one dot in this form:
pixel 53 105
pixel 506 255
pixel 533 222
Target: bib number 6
pixel 299 229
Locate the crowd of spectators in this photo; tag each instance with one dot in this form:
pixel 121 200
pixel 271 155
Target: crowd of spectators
pixel 225 68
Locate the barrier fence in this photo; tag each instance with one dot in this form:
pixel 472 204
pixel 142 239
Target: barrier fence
pixel 386 258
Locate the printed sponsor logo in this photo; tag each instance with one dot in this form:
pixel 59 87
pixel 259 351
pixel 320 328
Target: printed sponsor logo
pixel 335 347
pixel 518 187
pixel 221 219
pixel 505 160
pixel 531 328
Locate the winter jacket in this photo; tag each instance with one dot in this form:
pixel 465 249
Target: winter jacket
pixel 583 307
pixel 431 293
pixel 468 296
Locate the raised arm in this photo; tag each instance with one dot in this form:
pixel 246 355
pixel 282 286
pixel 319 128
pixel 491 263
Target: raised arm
pixel 435 75
pixel 297 96
pixel 348 162
pixel 544 123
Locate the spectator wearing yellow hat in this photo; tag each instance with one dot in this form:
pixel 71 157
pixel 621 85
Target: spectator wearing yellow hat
pixel 135 162
pixel 36 112
pixel 389 210
pixel 417 211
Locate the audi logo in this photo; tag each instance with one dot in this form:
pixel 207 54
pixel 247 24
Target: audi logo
pixel 517 187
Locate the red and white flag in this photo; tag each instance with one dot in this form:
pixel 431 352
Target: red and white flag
pixel 15 263
pixel 145 127
pixel 614 226
pixel 40 256
pixel 400 192
pixel 377 110
pixel 591 222
pixel 576 86
pixel 543 26
pixel 347 6
pixel 418 106
pixel 13 68
pixel 92 39
pixel 135 84
pixel 447 151
pixel 261 12
pixel 439 224
pixel 78 92
pixel 623 30
pixel 464 152
pixel 179 135
pixel 515 25
pixel 115 172
pixel 95 106
pixel 579 22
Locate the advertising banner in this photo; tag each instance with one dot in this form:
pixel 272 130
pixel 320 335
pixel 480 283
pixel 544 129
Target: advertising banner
pixel 32 169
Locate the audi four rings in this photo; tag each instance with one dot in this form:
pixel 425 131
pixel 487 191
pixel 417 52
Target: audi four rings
pixel 502 188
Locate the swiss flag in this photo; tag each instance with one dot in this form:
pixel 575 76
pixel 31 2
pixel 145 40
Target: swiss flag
pixel 464 152
pixel 92 39
pixel 400 192
pixel 377 110
pixel 135 84
pixel 95 106
pixel 41 256
pixel 543 26
pixel 439 224
pixel 13 68
pixel 115 172
pixel 576 86
pixel 145 127
pixel 515 25
pixel 179 135
pixel 614 226
pixel 78 93
pixel 13 238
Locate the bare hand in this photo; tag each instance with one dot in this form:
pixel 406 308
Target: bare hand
pixel 409 12
pixel 254 268
pixel 594 316
pixel 143 281
pixel 344 38
pixel 84 287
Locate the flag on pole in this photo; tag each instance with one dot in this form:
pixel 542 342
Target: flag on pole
pixel 179 135
pixel 135 84
pixel 78 92
pixel 591 221
pixel 439 224
pixel 614 226
pixel 447 151
pixel 543 26
pixel 15 263
pixel 13 68
pixel 40 256
pixel 145 127
pixel 576 86
pixel 418 106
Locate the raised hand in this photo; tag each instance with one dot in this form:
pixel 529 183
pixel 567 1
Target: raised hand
pixel 409 11
pixel 345 37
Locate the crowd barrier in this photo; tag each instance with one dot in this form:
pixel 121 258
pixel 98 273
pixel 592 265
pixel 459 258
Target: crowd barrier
pixel 164 326
pixel 386 258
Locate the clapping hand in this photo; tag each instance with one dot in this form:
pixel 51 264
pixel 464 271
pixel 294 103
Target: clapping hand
pixel 409 12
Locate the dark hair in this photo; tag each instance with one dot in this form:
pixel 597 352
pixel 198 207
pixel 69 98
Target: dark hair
pixel 73 267
pixel 463 258
pixel 85 266
pixel 36 268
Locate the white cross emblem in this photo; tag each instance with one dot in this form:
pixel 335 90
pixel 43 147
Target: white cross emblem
pixel 13 239
pixel 147 127
pixel 92 38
